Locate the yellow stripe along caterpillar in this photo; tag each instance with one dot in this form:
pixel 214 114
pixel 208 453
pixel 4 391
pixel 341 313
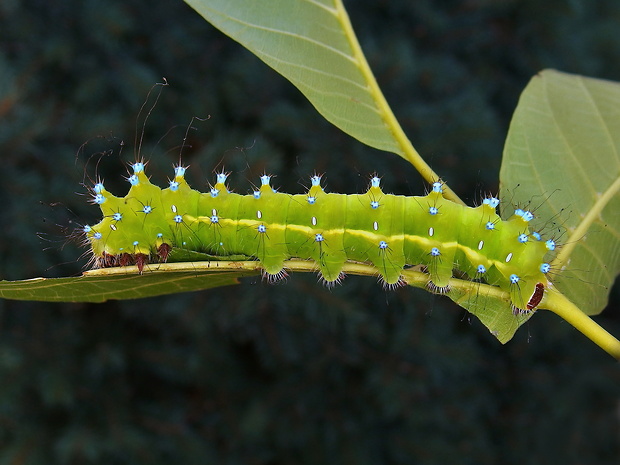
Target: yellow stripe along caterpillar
pixel 388 231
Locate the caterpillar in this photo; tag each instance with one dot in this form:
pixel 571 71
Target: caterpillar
pixel 388 231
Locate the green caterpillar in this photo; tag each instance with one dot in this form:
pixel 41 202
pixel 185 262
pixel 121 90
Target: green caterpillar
pixel 389 231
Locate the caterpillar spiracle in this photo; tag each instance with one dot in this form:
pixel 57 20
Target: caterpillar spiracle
pixel 388 231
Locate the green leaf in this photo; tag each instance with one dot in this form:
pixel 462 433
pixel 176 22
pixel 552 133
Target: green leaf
pixel 308 42
pixel 99 287
pixel 492 307
pixel 312 44
pixel 488 303
pixel 562 157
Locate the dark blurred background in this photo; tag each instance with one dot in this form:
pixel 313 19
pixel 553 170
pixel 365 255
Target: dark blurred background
pixel 289 373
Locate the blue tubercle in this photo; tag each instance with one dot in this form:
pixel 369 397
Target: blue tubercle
pixel 214 192
pixel 180 170
pixel 375 181
pixel 374 204
pixel 437 187
pixel 221 178
pixel 311 199
pixel 383 245
pixel 527 216
pixel 99 199
pixel 481 269
pixel 147 209
pixel 138 167
pixel 256 194
pixel 319 237
pixel 490 225
pixel 550 244
pixel 262 228
pixel 178 219
pixel 522 238
pixel 133 180
pixel 545 268
pixel 536 235
pixel 315 180
pixel 117 216
pixel 264 179
pixel 492 202
pixel 514 279
pixel 174 185
pixel 435 252
pixel 98 188
pixel 433 210
pixel 97 235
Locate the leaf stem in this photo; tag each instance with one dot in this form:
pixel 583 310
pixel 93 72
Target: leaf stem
pixel 408 151
pixel 556 302
pixel 461 290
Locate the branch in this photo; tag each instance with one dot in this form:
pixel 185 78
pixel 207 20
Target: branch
pixel 557 303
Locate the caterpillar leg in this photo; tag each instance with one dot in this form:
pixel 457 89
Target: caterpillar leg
pixel 273 278
pixel 440 270
pixel 330 284
pixel 525 295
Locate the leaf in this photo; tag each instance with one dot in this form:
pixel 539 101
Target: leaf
pixel 562 156
pixel 312 44
pixel 99 287
pixel 488 303
pixel 491 308
pixel 307 41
